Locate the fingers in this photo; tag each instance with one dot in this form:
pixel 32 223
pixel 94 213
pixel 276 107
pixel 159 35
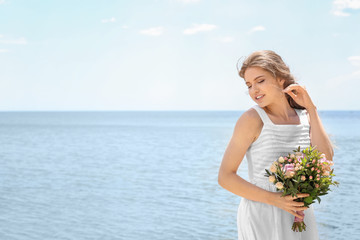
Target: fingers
pixel 292 94
pixel 296 214
pixel 294 86
pixel 300 195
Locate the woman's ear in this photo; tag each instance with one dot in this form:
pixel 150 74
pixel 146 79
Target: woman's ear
pixel 281 82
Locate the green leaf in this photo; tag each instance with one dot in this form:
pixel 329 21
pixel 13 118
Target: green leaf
pixel 308 199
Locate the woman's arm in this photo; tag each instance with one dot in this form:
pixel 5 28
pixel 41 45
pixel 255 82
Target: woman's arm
pixel 318 134
pixel 245 131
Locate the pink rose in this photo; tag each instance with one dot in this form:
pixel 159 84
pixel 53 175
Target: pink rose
pixel 311 177
pixel 289 167
pixel 303 178
pixel 289 170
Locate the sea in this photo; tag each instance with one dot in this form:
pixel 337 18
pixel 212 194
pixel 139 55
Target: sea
pixel 145 175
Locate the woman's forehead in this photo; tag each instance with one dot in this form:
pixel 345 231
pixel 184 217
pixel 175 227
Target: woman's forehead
pixel 253 73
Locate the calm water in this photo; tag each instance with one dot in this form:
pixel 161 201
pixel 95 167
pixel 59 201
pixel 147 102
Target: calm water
pixel 143 175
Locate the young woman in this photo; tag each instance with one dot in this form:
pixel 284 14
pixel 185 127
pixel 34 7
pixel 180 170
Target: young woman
pixel 283 119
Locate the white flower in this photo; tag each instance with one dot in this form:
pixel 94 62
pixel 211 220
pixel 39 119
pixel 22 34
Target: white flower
pixel 323 155
pixel 298 154
pixel 289 174
pixel 273 168
pixel 292 156
pixel 272 178
pixel 296 168
pixel 281 160
pixel 279 185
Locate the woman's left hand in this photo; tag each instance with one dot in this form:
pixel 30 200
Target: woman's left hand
pixel 300 95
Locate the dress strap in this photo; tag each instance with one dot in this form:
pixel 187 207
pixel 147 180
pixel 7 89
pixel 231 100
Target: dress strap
pixel 266 120
pixel 303 117
pixel 264 117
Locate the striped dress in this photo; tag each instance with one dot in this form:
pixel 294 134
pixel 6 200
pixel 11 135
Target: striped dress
pixel 256 220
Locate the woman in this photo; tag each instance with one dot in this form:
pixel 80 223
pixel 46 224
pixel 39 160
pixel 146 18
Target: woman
pixel 278 124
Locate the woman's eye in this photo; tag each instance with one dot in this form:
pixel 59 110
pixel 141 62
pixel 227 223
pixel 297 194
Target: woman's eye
pixel 261 81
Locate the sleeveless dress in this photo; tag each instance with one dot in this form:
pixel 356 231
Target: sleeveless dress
pixel 260 221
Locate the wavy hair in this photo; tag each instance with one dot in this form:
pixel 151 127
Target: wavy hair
pixel 272 63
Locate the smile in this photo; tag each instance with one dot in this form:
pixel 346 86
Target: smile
pixel 259 97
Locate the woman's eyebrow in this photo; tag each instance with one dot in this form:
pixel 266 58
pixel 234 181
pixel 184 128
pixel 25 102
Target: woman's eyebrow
pixel 256 78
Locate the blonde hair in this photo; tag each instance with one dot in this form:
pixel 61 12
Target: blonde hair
pixel 272 63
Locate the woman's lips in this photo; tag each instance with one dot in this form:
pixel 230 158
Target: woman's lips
pixel 259 99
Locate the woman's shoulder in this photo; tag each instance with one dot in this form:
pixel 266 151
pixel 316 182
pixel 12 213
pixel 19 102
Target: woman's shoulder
pixel 249 123
pixel 251 116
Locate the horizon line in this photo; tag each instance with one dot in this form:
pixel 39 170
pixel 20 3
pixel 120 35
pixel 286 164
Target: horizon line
pixel 154 110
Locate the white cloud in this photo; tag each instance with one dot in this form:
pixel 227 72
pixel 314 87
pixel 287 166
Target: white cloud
pixel 21 40
pixel 108 20
pixel 125 26
pixel 340 5
pixel 3 50
pixel 354 60
pixel 199 28
pixel 351 77
pixel 2 1
pixel 226 39
pixel 256 29
pixel 189 1
pixel 155 31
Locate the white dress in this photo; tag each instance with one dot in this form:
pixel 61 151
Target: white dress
pixel 260 221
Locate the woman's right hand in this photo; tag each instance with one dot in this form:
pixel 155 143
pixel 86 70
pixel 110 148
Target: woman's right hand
pixel 287 203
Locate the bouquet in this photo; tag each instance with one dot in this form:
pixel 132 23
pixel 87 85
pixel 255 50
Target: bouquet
pixel 307 171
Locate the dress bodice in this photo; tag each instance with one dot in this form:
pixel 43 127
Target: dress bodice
pixel 275 140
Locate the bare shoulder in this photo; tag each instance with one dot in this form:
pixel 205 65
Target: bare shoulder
pixel 246 131
pixel 249 124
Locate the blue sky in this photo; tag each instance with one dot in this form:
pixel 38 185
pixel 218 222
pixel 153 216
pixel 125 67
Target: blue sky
pixel 171 54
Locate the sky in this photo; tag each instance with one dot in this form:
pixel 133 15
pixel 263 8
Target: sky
pixel 171 54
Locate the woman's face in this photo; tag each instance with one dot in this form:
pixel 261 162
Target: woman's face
pixel 261 83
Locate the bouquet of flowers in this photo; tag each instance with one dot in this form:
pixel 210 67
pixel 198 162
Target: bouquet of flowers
pixel 307 171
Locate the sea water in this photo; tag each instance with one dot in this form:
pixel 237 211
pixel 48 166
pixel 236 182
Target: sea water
pixel 144 175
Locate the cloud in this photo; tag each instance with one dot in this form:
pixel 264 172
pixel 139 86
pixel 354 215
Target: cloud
pixel 108 20
pixel 354 60
pixel 155 31
pixel 3 50
pixel 125 26
pixel 256 29
pixel 340 5
pixel 226 39
pixel 188 1
pixel 351 77
pixel 21 40
pixel 2 1
pixel 199 28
